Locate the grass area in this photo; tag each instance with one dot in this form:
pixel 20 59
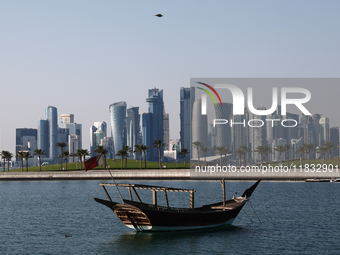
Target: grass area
pixel 335 161
pixel 116 164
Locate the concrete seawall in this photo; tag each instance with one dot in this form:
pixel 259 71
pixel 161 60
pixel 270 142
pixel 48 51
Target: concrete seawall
pixel 168 174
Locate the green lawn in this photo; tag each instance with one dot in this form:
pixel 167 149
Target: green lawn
pixel 116 164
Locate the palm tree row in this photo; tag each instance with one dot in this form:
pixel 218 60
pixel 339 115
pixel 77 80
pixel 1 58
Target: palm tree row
pixel 6 155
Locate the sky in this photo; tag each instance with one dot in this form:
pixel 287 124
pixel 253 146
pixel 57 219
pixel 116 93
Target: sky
pixel 82 56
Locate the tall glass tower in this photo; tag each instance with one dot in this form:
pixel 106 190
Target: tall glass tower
pixel 52 118
pixel 43 140
pixel 132 128
pixel 185 107
pixel 118 116
pixel 153 122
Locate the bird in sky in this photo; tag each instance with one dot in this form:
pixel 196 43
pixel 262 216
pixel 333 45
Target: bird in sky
pixel 159 15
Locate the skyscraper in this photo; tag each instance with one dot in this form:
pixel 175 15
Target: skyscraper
pixel 334 138
pixel 102 126
pixel 153 123
pixel 26 140
pixel 324 130
pixel 187 97
pixel 132 128
pixel 118 116
pixel 223 131
pixel 43 139
pixel 52 117
pixel 199 127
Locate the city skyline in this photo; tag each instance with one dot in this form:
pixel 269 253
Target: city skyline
pixel 57 54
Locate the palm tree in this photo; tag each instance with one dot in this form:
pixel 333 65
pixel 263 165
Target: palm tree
pixel 239 152
pixel 21 156
pixel 39 153
pixel 197 145
pixel 184 152
pixel 288 147
pixel 300 150
pixel 121 153
pixel 101 150
pixel 139 149
pixel 266 150
pixel 260 150
pixel 280 149
pixel 225 152
pixel 204 150
pixel 219 150
pixel 61 145
pixel 66 155
pixel 330 148
pixel 158 143
pixel 309 148
pixel 4 157
pixel 9 156
pixel 127 149
pixel 323 149
pixel 84 153
pixel 245 149
pixel 80 155
pixel 26 156
pixel 144 149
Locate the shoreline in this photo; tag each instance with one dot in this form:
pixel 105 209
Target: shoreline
pixel 162 174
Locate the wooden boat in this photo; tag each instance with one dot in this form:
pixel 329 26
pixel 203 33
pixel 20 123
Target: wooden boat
pixel 152 217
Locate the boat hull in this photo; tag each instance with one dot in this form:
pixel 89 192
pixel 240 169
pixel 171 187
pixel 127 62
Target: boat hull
pixel 145 217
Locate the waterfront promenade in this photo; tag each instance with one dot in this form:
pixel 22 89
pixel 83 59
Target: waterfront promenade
pixel 167 174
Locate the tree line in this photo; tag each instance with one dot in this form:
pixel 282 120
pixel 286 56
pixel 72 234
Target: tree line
pixel 265 150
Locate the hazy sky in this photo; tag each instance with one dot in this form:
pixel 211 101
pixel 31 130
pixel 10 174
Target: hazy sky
pixel 82 56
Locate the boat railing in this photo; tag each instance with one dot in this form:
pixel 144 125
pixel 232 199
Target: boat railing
pixel 154 189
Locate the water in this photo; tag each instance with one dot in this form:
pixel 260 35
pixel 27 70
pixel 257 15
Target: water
pixel 298 218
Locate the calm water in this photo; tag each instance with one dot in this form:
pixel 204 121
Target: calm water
pixel 297 218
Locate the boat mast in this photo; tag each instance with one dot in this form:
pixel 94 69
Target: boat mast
pixel 223 191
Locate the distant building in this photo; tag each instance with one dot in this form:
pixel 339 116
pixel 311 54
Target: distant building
pixel 26 140
pixel 334 138
pixel 199 127
pixel 166 131
pixel 152 123
pixel 118 116
pixel 132 129
pixel 187 97
pixel 94 142
pixel 324 130
pixel 73 145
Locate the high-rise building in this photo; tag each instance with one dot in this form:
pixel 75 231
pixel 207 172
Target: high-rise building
pixel 334 138
pixel 26 140
pixel 43 139
pixel 52 117
pixel 324 130
pixel 73 145
pixel 199 127
pixel 223 131
pixel 187 97
pixel 153 123
pixel 67 118
pixel 118 116
pixel 132 128
pixel 107 142
pixel 166 131
pixel 102 126
pixel 258 134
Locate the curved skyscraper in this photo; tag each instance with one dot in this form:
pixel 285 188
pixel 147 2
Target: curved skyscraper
pixel 118 116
